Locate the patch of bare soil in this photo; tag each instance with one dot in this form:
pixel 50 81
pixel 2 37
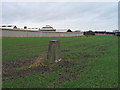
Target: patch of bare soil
pixel 33 66
pixel 90 46
pixel 9 67
pixel 70 70
pixel 65 50
pixel 82 55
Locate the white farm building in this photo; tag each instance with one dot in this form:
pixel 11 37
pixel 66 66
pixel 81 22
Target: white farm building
pixel 47 28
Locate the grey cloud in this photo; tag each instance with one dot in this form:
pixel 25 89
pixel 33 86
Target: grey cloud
pixel 62 14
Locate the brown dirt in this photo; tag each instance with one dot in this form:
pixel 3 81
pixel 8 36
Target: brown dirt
pixel 70 70
pixel 9 68
pixel 65 50
pixel 83 55
pixel 68 74
pixel 38 62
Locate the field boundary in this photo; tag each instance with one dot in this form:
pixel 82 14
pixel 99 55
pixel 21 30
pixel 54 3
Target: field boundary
pixel 15 33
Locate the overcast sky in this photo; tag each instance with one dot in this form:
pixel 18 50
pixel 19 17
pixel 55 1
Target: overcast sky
pixel 62 15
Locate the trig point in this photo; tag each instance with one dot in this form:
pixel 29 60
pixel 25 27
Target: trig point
pixel 53 54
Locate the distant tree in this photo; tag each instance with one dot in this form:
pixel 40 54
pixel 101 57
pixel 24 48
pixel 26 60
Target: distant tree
pixel 25 27
pixel 3 26
pixel 89 33
pixel 116 30
pixel 9 26
pixel 118 34
pixel 69 30
pixel 39 29
pixel 77 31
pixel 15 27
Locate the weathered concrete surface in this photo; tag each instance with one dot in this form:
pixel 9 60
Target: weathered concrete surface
pixel 12 33
pixel 53 54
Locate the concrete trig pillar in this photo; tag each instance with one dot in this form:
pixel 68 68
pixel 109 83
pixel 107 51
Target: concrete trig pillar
pixel 53 54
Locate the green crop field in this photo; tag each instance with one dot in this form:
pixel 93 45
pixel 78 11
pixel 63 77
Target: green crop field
pixel 87 62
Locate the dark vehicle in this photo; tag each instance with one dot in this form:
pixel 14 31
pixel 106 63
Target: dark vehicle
pixel 117 34
pixel 89 33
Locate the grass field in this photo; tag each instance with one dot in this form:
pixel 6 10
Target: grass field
pixel 88 62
